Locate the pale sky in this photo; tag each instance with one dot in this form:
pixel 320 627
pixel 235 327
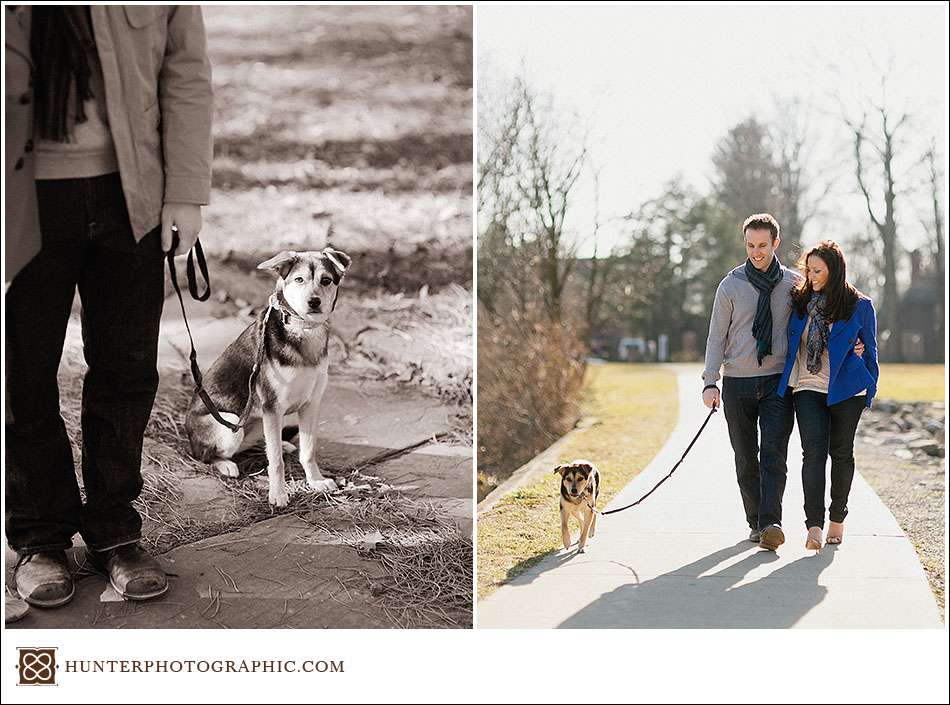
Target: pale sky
pixel 656 87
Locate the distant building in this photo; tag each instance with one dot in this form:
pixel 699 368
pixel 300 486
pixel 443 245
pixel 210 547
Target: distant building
pixel 921 313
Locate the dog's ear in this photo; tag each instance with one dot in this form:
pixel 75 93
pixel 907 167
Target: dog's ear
pixel 560 469
pixel 282 263
pixel 339 262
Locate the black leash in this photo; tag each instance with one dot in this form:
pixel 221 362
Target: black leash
pixel 670 473
pixel 197 254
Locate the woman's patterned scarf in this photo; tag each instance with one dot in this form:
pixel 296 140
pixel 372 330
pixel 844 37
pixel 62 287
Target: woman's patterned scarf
pixel 817 332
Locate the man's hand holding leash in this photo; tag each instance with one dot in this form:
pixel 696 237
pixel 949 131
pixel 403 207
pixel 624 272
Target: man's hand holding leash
pixel 186 219
pixel 711 396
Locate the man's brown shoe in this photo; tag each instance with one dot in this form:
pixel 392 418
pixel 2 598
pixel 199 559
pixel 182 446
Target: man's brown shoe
pixel 133 573
pixel 772 537
pixel 43 580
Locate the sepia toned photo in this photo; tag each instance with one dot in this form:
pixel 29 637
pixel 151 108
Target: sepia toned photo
pixel 257 411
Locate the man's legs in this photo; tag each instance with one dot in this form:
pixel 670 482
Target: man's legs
pixel 776 419
pixel 740 405
pixel 43 503
pixel 122 290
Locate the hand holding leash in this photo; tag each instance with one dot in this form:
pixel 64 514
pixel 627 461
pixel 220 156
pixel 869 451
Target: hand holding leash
pixel 711 396
pixel 181 223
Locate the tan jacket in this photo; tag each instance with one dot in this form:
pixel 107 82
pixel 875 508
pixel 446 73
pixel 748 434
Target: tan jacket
pixel 159 101
pixel 21 224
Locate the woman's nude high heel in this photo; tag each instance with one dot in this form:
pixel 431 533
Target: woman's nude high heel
pixel 835 533
pixel 813 542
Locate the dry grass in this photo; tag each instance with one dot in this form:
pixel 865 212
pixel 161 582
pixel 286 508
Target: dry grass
pixel 359 116
pixel 636 415
pixel 421 342
pixel 530 375
pixel 428 562
pixel 912 382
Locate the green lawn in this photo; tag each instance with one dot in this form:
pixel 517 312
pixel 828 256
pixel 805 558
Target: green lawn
pixel 911 382
pixel 637 408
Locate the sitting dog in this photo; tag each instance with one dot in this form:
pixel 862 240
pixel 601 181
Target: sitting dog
pixel 290 337
pixel 580 485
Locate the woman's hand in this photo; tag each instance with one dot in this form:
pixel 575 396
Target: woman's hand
pixel 859 348
pixel 186 218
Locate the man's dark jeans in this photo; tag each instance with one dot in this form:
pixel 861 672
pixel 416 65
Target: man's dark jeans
pixel 827 430
pixel 752 404
pixel 87 243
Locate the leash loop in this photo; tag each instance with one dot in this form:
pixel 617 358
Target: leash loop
pixel 197 253
pixel 193 290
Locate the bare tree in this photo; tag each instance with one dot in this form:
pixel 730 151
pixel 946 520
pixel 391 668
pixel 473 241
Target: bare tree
pixel 502 258
pixel 527 173
pixel 938 241
pixel 600 270
pixel 935 181
pixel 875 143
pixel 799 197
pixel 549 172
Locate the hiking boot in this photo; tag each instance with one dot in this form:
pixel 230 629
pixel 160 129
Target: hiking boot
pixel 133 573
pixel 755 536
pixel 43 579
pixel 772 537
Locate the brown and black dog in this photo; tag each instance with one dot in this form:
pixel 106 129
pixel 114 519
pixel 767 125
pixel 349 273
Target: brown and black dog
pixel 580 485
pixel 292 376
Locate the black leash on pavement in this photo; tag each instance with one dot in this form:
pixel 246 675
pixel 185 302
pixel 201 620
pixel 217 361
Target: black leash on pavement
pixel 670 473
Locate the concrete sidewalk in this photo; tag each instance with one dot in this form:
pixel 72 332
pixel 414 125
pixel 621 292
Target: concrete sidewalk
pixel 281 571
pixel 681 558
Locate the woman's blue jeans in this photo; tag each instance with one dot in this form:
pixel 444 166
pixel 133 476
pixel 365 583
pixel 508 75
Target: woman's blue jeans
pixel 827 430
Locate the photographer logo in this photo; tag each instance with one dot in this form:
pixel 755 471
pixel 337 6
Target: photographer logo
pixel 37 666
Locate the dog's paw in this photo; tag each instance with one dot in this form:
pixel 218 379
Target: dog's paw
pixel 228 468
pixel 288 446
pixel 277 497
pixel 582 549
pixel 323 485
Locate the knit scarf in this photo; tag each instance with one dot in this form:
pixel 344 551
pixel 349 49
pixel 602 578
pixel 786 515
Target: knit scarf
pixel 817 333
pixel 61 41
pixel 764 283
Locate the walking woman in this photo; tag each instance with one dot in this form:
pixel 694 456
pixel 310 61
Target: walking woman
pixel 831 385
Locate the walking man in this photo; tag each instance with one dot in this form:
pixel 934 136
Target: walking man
pixel 747 341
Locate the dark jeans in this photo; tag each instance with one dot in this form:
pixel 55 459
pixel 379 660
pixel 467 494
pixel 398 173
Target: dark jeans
pixel 87 243
pixel 752 405
pixel 827 430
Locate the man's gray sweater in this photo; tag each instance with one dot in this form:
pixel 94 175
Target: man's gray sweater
pixel 730 344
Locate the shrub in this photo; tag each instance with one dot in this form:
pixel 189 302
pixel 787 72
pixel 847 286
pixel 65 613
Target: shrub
pixel 530 379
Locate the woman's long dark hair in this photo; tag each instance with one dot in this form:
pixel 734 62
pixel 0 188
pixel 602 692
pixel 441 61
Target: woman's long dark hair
pixel 840 296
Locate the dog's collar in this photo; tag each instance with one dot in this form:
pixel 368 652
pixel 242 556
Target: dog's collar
pixel 288 316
